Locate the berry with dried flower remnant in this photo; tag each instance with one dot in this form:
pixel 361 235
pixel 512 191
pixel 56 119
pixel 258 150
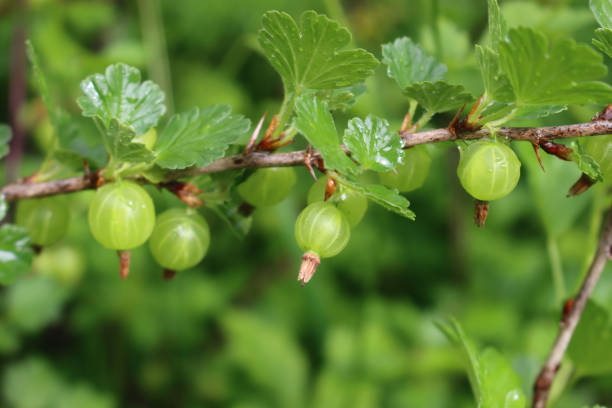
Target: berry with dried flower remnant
pixel 352 203
pixel 180 239
pixel 322 231
pixel 121 217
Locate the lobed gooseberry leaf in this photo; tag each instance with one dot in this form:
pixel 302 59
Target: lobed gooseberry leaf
pixel 373 144
pixel 602 10
pixel 199 136
pixel 15 253
pixel 497 25
pixel 496 84
pixel 315 122
pixel 5 138
pixel 407 63
pixel 338 99
pixel 563 73
pixel 119 94
pixel 591 346
pixel 390 199
pixel 585 162
pixel 119 143
pixel 494 382
pixel 311 56
pixel 603 40
pixel 439 96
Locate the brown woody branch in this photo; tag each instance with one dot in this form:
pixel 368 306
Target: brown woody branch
pixel 569 322
pixel 297 158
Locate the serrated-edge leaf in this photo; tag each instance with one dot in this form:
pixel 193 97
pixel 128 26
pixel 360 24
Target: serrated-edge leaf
pixel 387 198
pixel 603 40
pixel 407 63
pixel 373 144
pixel 199 136
pixel 497 25
pixel 5 138
pixel 496 84
pixel 311 56
pixel 602 10
pixel 438 96
pixel 559 75
pixel 585 162
pixel 314 121
pixel 15 253
pixel 119 94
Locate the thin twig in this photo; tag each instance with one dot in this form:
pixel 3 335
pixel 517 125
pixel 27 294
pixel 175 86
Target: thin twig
pixel 544 381
pixel 296 158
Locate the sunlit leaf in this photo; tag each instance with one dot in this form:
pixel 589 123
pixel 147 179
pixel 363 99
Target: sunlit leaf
pixel 373 144
pixel 199 136
pixel 496 84
pixel 311 56
pixel 389 199
pixel 338 99
pixel 316 123
pixel 15 253
pixel 497 26
pixel 407 63
pixel 438 96
pixel 602 9
pixel 563 73
pixel 119 94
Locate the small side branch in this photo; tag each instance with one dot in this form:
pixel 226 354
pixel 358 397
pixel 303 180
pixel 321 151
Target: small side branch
pixel 296 158
pixel 545 379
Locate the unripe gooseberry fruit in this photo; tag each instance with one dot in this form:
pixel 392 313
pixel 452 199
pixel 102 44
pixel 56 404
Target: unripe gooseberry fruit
pixel 322 231
pixel 352 204
pixel 46 219
pixel 121 215
pixel 488 170
pixel 267 187
pixel 410 175
pixel 180 239
pixel 600 148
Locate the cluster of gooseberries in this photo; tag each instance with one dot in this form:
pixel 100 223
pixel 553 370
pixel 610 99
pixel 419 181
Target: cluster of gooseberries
pixel 122 214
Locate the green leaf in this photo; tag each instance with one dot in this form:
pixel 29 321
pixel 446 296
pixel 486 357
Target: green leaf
pixel 439 96
pixel 407 63
pixel 585 162
pixel 387 198
pixel 602 9
pixel 42 82
pixel 119 94
pixel 496 84
pixel 5 138
pixel 118 139
pixel 497 26
pixel 372 144
pixel 3 207
pixel 338 99
pixel 15 253
pixel 311 56
pixel 315 122
pixel 199 136
pixel 494 381
pixel 603 40
pixel 557 75
pixel 591 345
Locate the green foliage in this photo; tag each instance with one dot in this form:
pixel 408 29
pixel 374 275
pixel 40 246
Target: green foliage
pixel 591 346
pixel 497 25
pixel 315 122
pixel 3 207
pixel 15 252
pixel 199 136
pixel 602 9
pixel 526 58
pixel 372 144
pixel 407 63
pixel 438 96
pixel 5 138
pixel 311 56
pixel 383 196
pixel 494 383
pixel 603 40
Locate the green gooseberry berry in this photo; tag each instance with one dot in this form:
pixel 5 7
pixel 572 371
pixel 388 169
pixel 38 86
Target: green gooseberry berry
pixel 352 203
pixel 267 187
pixel 410 175
pixel 46 219
pixel 488 170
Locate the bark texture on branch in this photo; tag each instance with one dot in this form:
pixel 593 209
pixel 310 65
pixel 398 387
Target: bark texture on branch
pixel 544 380
pixel 297 158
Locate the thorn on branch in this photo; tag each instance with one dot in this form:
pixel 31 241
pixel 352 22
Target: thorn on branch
pixel 481 210
pixel 308 161
pixel 536 149
pixel 406 124
pixel 567 309
pixel 255 134
pixel 581 185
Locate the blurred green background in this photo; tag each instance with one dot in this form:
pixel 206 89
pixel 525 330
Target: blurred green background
pixel 238 331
